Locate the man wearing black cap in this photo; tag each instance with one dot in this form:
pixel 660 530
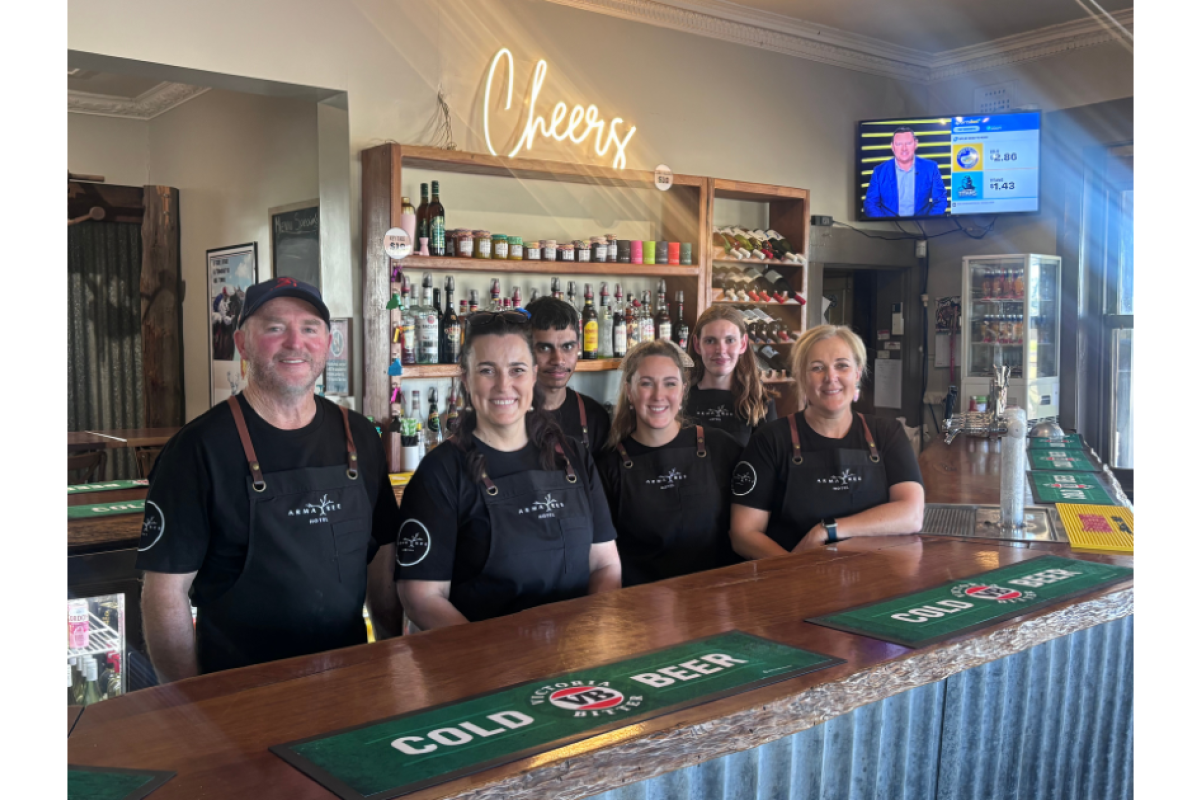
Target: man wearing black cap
pixel 268 509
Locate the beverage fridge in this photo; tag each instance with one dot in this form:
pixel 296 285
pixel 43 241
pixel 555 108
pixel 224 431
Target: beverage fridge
pixel 1011 319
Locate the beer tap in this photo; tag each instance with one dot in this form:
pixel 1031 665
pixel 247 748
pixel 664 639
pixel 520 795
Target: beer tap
pixel 987 424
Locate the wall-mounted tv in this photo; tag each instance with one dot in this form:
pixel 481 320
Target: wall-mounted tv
pixel 929 167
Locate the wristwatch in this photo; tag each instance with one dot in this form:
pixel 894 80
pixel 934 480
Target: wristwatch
pixel 831 531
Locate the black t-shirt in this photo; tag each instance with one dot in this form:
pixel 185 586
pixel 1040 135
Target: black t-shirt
pixel 722 454
pixel 716 408
pixel 442 498
pixel 199 487
pixel 770 450
pixel 567 417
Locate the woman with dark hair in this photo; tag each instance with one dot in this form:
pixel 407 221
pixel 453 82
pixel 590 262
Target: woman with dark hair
pixel 667 481
pixel 727 392
pixel 509 514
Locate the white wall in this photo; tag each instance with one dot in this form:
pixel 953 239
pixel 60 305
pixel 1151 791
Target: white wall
pixel 118 149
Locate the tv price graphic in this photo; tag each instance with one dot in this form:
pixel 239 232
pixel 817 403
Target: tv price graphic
pixel 1001 157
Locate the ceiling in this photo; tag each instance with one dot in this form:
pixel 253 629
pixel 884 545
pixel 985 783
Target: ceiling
pixel 933 26
pixel 112 94
pixel 109 84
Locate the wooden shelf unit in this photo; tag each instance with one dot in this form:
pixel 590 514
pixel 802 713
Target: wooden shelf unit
pixel 688 216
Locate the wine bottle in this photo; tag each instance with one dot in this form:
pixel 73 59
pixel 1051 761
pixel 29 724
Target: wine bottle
pixel 633 324
pixel 620 329
pixel 606 323
pixel 662 314
pixel 591 326
pixel 451 328
pixel 437 224
pixel 433 426
pixel 422 218
pixel 91 689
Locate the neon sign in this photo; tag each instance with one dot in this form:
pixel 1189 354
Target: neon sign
pixel 579 122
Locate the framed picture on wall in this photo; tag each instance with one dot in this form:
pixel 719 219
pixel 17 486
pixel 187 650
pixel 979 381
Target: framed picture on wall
pixel 296 241
pixel 231 271
pixel 337 367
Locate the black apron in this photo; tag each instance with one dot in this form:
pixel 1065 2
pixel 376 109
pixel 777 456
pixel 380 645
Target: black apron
pixel 302 588
pixel 829 483
pixel 672 517
pixel 715 409
pixel 541 541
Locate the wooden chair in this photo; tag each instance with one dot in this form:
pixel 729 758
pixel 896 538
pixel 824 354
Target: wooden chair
pixel 86 467
pixel 146 456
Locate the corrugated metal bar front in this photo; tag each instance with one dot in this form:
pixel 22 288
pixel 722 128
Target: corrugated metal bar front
pixel 1054 722
pixel 883 750
pixel 104 339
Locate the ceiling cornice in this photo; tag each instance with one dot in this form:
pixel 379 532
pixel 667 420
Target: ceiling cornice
pixel 147 105
pixel 719 19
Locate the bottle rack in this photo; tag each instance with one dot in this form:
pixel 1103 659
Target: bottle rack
pixel 687 217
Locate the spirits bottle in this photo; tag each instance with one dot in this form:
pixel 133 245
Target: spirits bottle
pixel 408 325
pixel 473 305
pixel 606 323
pixel 437 225
pixel 452 409
pixel 662 314
pixel 620 329
pixel 451 328
pixel 633 324
pixel 433 427
pixel 394 445
pixel 427 324
pixel 406 207
pixel 678 323
pixel 591 326
pixel 422 217
pixel 573 300
pixel 648 325
pixel 516 297
pixel 495 305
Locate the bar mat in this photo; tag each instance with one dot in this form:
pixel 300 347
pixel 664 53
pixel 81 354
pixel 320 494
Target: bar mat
pixel 1103 529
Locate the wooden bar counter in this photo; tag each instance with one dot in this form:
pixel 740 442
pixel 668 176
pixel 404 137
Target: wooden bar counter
pixel 214 731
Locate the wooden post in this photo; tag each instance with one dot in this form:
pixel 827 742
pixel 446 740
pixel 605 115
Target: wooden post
pixel 162 314
pixel 380 169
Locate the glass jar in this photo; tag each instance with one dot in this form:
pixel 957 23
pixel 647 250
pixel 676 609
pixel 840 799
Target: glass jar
pixel 566 252
pixel 599 249
pixel 533 250
pixel 582 251
pixel 465 244
pixel 612 247
pixel 549 250
pixel 483 244
pixel 500 246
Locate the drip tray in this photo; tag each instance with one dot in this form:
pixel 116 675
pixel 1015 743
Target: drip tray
pixel 983 522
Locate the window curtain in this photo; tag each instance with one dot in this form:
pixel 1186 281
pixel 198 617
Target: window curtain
pixel 104 342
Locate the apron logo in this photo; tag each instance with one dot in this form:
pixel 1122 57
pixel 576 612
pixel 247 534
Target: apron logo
pixel 413 543
pixel 667 481
pixel 153 525
pixel 840 483
pixel 999 594
pixel 744 479
pixel 718 413
pixel 543 508
pixel 316 511
pixel 586 698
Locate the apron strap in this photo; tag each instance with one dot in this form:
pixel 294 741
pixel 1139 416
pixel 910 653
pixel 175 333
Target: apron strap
pixel 700 451
pixel 493 490
pixel 582 419
pixel 239 420
pixel 870 439
pixel 796 457
pixel 351 450
pixel 627 462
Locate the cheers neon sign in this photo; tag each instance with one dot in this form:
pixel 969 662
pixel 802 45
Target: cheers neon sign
pixel 579 124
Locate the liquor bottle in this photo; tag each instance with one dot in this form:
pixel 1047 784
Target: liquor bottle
pixel 406 207
pixel 495 306
pixel 516 297
pixel 463 310
pixel 91 690
pixel 407 326
pixel 451 328
pixel 71 682
pixel 437 225
pixel 556 289
pixel 422 218
pixel 427 324
pixel 633 324
pixel 473 306
pixel 648 323
pixel 591 326
pixel 575 305
pixel 110 676
pixel 437 302
pixel 394 446
pixel 606 323
pixel 452 409
pixel 662 314
pixel 678 323
pixel 433 426
pixel 620 328
pixel 534 295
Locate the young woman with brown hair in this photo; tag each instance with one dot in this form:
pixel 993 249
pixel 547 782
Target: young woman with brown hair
pixel 667 481
pixel 726 390
pixel 509 514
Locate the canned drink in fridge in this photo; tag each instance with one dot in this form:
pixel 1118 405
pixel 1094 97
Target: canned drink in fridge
pixel 78 629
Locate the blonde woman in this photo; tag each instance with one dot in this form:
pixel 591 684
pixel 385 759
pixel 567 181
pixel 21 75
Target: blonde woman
pixel 826 473
pixel 667 481
pixel 727 392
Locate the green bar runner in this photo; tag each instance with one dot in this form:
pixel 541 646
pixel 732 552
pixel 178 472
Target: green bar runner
pixel 1064 487
pixel 107 486
pixel 1073 440
pixel 110 783
pixel 1070 460
pixel 395 756
pixel 107 509
pixel 955 607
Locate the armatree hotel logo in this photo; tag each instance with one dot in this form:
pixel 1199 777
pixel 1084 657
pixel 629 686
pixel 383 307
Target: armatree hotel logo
pixel 585 698
pixel 316 512
pixel 543 508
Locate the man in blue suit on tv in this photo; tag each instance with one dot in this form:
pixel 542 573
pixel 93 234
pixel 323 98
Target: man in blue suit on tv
pixel 906 186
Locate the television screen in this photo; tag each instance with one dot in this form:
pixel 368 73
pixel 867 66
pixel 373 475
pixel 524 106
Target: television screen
pixel 928 167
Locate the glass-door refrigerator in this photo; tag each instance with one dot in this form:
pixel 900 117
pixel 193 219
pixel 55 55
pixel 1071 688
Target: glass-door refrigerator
pixel 95 648
pixel 1011 309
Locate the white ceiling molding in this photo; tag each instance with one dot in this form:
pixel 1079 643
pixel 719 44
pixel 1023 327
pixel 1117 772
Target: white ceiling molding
pixel 719 19
pixel 147 105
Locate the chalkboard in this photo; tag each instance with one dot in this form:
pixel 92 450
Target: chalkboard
pixel 296 242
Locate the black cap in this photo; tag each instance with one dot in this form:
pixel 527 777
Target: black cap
pixel 261 293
